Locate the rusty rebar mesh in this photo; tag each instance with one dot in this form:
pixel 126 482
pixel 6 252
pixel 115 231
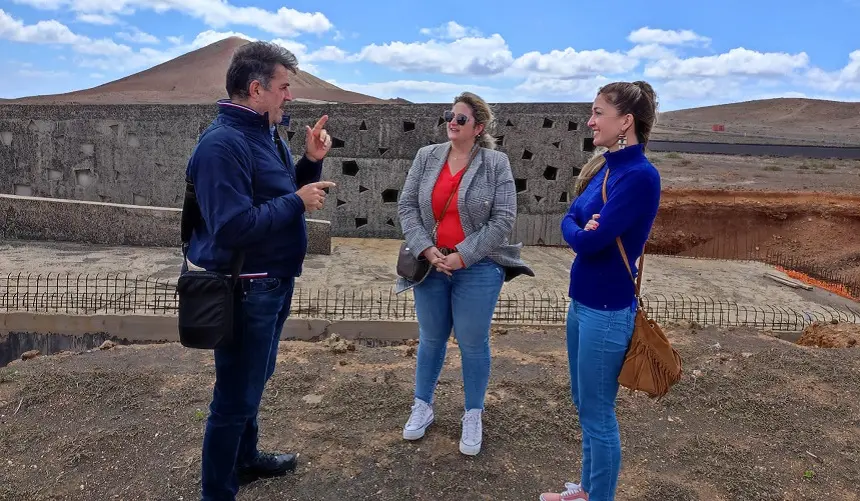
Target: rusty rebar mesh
pixel 126 294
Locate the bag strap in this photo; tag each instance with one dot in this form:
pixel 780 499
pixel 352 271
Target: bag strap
pixel 190 219
pixel 637 282
pixel 454 190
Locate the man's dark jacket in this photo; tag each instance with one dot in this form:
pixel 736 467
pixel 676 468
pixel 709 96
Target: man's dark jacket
pixel 246 189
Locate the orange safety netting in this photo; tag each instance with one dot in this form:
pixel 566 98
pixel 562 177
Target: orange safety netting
pixel 837 289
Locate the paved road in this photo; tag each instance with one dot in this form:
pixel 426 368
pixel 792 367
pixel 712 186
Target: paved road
pixel 776 150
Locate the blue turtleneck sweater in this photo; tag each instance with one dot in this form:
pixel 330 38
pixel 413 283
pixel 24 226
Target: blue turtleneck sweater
pixel 598 277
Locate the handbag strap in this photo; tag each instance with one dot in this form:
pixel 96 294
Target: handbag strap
pixel 454 190
pixel 638 280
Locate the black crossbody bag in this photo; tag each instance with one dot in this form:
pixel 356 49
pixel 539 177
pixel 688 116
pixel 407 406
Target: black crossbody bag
pixel 207 299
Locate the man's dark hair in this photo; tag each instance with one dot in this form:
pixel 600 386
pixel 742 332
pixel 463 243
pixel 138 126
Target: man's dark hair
pixel 256 61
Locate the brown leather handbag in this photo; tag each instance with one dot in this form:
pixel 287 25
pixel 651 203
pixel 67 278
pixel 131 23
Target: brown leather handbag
pixel 651 365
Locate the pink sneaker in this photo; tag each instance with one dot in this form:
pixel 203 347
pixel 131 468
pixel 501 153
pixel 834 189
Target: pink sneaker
pixel 573 493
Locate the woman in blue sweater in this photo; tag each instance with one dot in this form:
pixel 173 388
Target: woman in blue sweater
pixel 603 302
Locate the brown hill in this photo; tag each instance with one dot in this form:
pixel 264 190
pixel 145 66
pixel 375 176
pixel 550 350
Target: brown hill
pixel 194 78
pixel 794 119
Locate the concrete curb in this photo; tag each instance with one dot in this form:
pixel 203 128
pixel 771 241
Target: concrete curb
pixel 151 328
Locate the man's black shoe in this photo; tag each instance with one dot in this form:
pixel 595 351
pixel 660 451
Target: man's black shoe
pixel 266 465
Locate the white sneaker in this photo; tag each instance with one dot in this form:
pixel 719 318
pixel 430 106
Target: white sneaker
pixel 419 420
pixel 470 439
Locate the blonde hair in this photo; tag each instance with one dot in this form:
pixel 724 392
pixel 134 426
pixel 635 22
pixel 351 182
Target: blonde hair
pixel 483 116
pixel 636 98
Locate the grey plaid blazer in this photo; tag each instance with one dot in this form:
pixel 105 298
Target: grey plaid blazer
pixel 486 201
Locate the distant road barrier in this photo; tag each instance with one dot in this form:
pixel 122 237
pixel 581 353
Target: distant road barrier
pixel 774 150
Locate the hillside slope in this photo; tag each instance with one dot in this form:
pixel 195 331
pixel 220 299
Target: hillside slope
pixel 197 77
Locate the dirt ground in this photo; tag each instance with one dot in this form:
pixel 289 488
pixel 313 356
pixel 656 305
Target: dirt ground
pixel 754 418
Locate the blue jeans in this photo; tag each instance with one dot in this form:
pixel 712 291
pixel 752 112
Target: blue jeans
pixel 241 372
pixel 597 342
pixel 465 301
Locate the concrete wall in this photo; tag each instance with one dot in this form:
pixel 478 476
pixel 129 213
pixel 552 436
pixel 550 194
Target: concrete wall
pixel 33 218
pixel 137 155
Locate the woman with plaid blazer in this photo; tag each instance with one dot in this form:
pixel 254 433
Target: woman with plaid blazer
pixel 468 187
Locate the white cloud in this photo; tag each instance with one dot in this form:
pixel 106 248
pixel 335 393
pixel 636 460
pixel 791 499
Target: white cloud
pixel 651 52
pixel 100 19
pixel 215 13
pixel 848 78
pixel 174 40
pixel 452 31
pixel 43 32
pixel 137 36
pixel 646 35
pixel 422 90
pixel 563 89
pixel 736 62
pixel 466 56
pixel 569 63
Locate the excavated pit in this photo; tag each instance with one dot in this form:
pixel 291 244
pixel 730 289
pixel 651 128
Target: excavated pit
pixel 818 234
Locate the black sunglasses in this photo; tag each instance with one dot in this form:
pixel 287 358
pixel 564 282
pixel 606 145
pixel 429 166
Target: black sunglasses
pixel 461 118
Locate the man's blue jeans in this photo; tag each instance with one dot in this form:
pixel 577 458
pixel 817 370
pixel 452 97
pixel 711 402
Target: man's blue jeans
pixel 241 372
pixel 465 301
pixel 597 342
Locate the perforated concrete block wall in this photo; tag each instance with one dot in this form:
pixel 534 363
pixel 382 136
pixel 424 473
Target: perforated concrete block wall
pixel 137 154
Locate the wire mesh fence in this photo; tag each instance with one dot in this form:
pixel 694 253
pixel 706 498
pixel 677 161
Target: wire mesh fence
pixel 125 294
pixel 742 247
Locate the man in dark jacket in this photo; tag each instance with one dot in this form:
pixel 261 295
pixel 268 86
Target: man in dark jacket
pixel 252 198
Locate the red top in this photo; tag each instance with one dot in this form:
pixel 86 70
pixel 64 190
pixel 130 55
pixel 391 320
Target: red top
pixel 450 231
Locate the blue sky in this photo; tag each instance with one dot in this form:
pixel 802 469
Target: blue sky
pixel 693 53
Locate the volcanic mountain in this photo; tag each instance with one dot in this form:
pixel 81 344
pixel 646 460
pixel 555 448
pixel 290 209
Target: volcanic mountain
pixel 796 119
pixel 196 77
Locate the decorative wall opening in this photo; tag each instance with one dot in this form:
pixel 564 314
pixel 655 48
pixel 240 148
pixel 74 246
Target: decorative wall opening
pixel 572 126
pixel 547 123
pixel 390 196
pixel 290 135
pixel 550 173
pixel 521 184
pixel 390 222
pixel 349 168
pixel 588 144
pixel 340 202
pixel 564 198
pixel 408 126
pixel 509 123
pixel 362 189
pixel 22 190
pixel 527 155
pixel 115 129
pixel 500 140
pixel 382 151
pixel 55 175
pixel 363 126
pixel 84 177
pixel 360 221
pixel 440 122
pixel 6 137
pixel 557 144
pixel 538 198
